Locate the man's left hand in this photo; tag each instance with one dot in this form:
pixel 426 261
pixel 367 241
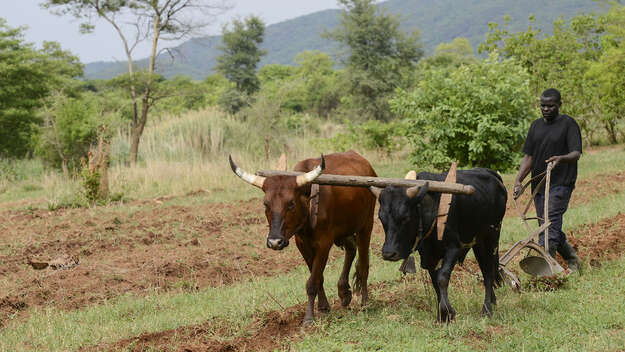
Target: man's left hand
pixel 554 159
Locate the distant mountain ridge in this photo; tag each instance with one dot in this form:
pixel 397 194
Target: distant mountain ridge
pixel 437 21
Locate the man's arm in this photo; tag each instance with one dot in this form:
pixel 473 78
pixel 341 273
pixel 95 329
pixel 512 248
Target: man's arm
pixel 567 158
pixel 524 169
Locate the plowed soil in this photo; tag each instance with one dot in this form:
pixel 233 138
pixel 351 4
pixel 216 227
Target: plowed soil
pixel 132 250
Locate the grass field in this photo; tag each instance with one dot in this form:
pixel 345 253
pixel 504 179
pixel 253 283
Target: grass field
pixel 190 272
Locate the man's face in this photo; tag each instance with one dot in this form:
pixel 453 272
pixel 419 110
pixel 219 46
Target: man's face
pixel 550 107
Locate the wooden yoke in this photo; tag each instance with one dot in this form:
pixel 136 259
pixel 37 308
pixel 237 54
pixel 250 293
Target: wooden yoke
pixel 445 202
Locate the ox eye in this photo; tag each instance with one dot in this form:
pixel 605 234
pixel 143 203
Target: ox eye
pixel 291 205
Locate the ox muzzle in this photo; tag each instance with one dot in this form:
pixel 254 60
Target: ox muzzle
pixel 276 239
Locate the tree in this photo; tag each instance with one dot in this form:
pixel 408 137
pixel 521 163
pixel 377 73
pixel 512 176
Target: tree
pixel 69 130
pixel 560 60
pixel 136 21
pixel 241 55
pixel 455 53
pixel 378 55
pixel 606 75
pixel 477 114
pixel 28 76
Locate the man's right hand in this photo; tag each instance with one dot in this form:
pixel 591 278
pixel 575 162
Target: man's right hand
pixel 517 189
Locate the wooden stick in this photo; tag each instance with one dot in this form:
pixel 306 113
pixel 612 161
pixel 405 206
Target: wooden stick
pixel 546 214
pixel 444 203
pixel 367 181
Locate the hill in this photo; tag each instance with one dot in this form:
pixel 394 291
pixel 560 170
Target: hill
pixel 437 20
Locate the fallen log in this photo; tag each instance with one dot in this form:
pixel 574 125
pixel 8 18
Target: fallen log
pixel 366 181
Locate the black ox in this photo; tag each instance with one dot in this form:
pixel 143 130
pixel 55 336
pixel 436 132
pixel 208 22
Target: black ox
pixel 409 216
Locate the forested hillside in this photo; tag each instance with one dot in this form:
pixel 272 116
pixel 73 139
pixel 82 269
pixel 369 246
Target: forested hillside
pixel 437 20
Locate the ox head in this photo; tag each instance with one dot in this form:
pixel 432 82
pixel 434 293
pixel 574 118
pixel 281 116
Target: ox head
pixel 400 217
pixel 286 202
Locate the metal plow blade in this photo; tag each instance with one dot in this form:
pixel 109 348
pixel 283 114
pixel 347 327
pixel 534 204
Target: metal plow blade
pixel 538 266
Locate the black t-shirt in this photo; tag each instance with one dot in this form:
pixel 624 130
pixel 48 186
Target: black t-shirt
pixel 546 139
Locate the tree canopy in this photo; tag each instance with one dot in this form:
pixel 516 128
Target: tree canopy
pixel 378 55
pixel 28 75
pixel 241 53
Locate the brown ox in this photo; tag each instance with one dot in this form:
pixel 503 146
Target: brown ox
pixel 344 218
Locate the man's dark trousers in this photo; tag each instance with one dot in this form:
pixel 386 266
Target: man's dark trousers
pixel 559 197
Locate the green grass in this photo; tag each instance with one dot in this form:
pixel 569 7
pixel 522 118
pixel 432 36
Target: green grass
pixel 585 315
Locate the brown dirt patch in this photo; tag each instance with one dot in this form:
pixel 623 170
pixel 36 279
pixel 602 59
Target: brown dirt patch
pixel 266 333
pixel 132 250
pixel 586 190
pixel 604 240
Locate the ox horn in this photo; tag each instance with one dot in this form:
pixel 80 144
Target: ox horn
pixel 311 175
pixel 376 191
pixel 246 176
pixel 418 192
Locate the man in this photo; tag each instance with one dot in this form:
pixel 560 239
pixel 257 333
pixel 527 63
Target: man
pixel 555 138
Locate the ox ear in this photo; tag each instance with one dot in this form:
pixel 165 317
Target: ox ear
pixel 417 192
pixel 376 191
pixel 282 163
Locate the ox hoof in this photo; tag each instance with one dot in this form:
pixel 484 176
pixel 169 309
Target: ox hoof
pixel 308 322
pixel 323 308
pixel 487 312
pixel 447 316
pixel 346 298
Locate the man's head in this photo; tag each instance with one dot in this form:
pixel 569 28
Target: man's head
pixel 550 102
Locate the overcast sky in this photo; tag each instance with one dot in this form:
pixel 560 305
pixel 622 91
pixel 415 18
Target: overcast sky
pixel 105 45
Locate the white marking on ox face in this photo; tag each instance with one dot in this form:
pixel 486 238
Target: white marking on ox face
pixel 439 265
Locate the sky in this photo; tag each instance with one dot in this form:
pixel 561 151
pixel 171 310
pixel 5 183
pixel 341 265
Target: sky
pixel 104 44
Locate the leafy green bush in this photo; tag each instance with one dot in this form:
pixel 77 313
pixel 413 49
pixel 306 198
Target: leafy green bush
pixel 70 129
pixel 477 114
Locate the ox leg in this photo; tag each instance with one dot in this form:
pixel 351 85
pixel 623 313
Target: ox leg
pixel 445 311
pixel 314 285
pixel 486 263
pixel 343 285
pixel 433 276
pixel 363 239
pixel 308 253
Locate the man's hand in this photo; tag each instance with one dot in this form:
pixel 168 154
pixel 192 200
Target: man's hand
pixel 517 189
pixel 555 160
pixel 567 158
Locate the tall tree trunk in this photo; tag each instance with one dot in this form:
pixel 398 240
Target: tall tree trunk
pixel 139 122
pixel 138 126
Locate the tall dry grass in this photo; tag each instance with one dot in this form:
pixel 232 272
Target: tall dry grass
pixel 180 154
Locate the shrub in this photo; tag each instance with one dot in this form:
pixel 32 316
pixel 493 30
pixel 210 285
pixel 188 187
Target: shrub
pixel 477 114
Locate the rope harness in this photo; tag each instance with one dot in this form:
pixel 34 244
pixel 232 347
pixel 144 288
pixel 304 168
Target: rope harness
pixel 313 202
pixel 418 240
